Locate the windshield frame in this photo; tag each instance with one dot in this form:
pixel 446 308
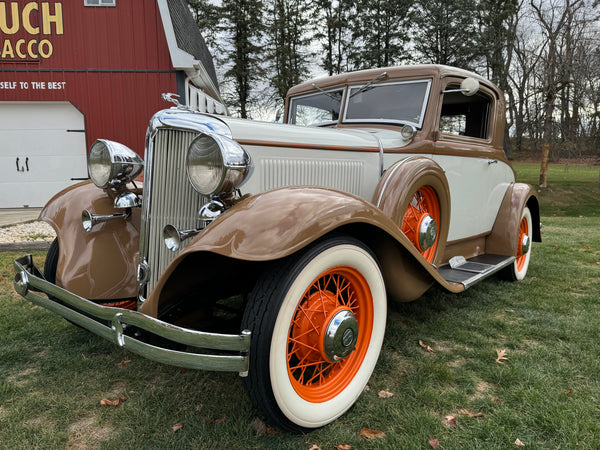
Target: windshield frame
pixel 292 114
pixel 357 87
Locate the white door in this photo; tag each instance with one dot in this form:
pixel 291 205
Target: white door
pixel 42 149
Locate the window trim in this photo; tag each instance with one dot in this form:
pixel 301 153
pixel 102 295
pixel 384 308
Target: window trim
pixel 312 94
pixel 100 4
pixel 426 99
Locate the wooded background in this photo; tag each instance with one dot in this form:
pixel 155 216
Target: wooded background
pixel 544 54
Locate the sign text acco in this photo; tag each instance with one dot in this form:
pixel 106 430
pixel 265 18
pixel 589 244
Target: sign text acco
pixel 25 29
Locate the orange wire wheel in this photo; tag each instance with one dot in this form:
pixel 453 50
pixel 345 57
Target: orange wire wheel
pixel 422 220
pixel 317 320
pixel 523 237
pixel 329 334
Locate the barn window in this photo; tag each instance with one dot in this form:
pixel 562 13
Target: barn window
pixel 100 2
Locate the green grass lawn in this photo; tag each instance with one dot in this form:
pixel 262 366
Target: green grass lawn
pixel 546 393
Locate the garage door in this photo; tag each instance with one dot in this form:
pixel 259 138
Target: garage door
pixel 42 148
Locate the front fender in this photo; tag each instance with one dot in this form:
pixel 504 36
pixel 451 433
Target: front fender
pixel 101 264
pixel 278 223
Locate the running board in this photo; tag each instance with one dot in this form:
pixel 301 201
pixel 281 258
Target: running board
pixel 471 271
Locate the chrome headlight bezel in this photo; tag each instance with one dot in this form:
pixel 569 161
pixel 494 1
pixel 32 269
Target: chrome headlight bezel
pixel 112 165
pixel 216 164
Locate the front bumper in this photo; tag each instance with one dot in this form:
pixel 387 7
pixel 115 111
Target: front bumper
pixel 111 323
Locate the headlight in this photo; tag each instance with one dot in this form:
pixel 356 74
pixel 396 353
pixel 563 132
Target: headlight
pixel 216 164
pixel 111 164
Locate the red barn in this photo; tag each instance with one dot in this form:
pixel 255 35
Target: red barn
pixel 78 70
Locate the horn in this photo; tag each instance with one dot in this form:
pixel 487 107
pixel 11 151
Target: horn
pixel 174 237
pixel 89 220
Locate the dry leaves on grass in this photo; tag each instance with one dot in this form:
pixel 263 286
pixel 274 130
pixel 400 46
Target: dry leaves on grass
pixel 107 402
pixel 435 443
pixel 123 363
pixel 218 420
pixel 385 394
pixel 343 447
pixel 177 427
pixel 372 434
pixel 314 447
pixel 501 356
pixel 262 428
pixel 450 421
pixel 466 412
pixel 426 347
pixel 518 443
pixel 495 399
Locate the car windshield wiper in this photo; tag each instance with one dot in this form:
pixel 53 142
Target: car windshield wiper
pixel 328 94
pixel 367 86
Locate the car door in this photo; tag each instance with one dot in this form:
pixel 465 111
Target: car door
pixel 469 149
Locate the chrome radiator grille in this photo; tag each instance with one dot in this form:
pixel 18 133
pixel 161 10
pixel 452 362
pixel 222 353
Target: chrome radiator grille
pixel 168 198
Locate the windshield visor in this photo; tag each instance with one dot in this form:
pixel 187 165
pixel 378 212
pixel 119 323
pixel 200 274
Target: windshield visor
pixel 322 108
pixel 402 102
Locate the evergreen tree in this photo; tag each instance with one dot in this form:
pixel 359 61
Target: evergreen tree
pixel 446 33
pixel 334 33
pixel 288 51
pixel 243 28
pixel 379 32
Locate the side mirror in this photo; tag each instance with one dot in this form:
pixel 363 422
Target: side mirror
pixel 468 87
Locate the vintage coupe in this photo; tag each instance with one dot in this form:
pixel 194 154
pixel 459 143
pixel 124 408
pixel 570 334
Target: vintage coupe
pixel 272 249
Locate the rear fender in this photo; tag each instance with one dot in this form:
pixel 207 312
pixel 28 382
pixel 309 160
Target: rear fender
pixel 504 237
pixel 101 264
pixel 278 223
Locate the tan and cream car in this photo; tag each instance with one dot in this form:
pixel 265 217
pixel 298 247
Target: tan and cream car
pixel 272 250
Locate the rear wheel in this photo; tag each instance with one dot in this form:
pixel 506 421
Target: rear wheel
pixel 317 323
pixel 518 270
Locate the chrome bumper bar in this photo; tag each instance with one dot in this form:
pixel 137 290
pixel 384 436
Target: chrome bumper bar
pixel 88 314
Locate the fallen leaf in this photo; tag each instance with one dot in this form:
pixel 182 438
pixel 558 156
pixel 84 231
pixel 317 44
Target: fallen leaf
pixel 435 443
pixel 426 347
pixel 177 427
pixel 495 399
pixel 107 402
pixel 466 412
pixel 518 443
pixel 262 428
pixel 500 359
pixel 385 394
pixel 343 447
pixel 315 447
pixel 124 363
pixel 367 388
pixel 450 421
pixel 585 247
pixel 372 434
pixel 219 420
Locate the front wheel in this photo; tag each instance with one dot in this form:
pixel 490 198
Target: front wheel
pixel 317 322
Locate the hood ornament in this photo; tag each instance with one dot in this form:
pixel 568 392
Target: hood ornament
pixel 173 98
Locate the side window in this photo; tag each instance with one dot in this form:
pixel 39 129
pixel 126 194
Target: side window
pixel 465 116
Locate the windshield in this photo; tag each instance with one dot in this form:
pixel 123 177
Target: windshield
pixel 402 102
pixel 321 108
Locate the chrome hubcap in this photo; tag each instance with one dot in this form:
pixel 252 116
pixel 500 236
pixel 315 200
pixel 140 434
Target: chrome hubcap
pixel 525 244
pixel 341 335
pixel 427 232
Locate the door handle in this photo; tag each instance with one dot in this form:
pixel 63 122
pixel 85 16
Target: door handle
pixel 27 163
pixel 492 161
pixel 18 164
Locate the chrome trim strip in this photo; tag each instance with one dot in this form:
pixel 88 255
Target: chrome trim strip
pixel 88 314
